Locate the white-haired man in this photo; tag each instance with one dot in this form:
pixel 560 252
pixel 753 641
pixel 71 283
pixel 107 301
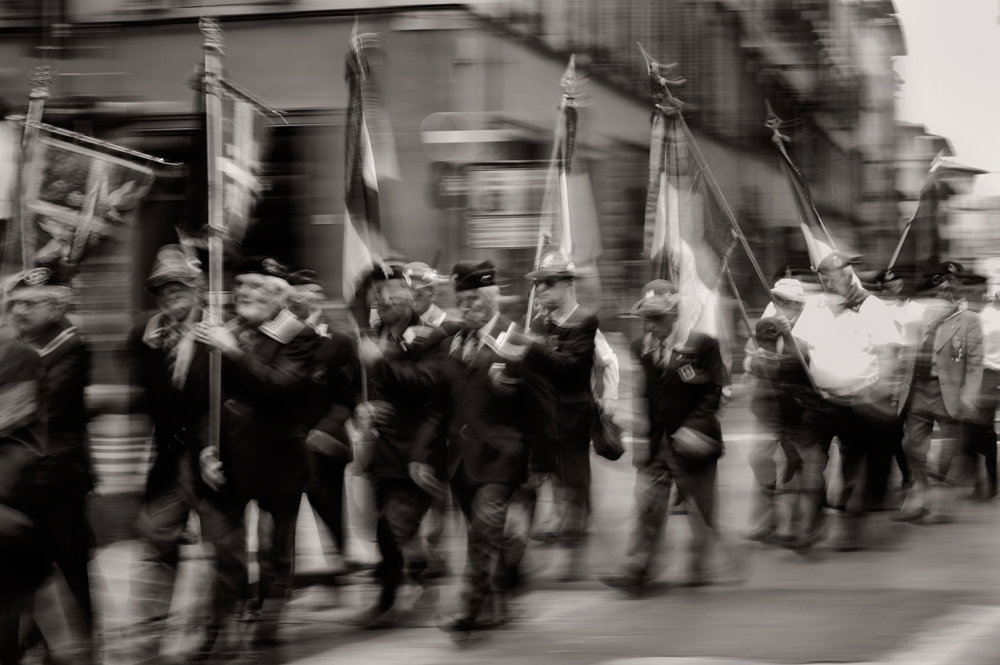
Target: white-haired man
pixel 266 358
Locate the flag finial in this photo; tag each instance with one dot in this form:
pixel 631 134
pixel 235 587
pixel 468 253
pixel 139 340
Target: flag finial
pixel 658 89
pixel 568 81
pixel 215 38
pixel 774 123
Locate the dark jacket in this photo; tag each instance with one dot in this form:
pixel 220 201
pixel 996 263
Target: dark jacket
pixel 264 398
pixel 175 412
pixel 556 373
pixel 687 392
pixel 486 409
pixel 407 377
pixel 66 374
pixel 334 385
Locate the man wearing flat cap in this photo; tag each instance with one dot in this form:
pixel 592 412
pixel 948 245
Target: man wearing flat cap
pixel 488 447
pixel 266 359
pixel 776 403
pixel 679 390
pixel 334 386
pixel 170 370
pixel 405 410
pixel 561 407
pixel 39 302
pixel 849 341
pixel 942 377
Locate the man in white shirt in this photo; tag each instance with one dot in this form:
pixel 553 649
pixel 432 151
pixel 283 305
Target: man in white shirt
pixel 850 341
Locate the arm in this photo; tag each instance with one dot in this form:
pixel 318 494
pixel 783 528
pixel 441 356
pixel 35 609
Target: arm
pixel 574 357
pixel 273 380
pixel 65 383
pixel 972 386
pixel 640 414
pixel 343 375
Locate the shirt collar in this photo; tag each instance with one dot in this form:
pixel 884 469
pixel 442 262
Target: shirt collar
pixel 483 332
pixel 434 316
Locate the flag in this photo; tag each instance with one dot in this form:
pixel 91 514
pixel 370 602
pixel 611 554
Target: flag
pixel 74 197
pixel 819 243
pixel 688 236
pixel 364 245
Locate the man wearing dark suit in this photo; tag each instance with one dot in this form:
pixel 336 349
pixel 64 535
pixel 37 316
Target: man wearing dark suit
pixel 487 448
pixel 266 360
pixel 171 372
pixel 557 371
pixel 334 386
pixel 405 409
pixel 38 313
pixel 942 380
pixel 679 388
pixel 27 487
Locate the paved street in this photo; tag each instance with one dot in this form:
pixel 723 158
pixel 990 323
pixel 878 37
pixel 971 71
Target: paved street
pixel 918 595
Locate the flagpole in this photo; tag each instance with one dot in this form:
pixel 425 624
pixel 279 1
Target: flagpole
pixel 214 49
pixel 562 142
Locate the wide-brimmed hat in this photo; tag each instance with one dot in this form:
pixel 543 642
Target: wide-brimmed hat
pixel 175 263
pixel 553 266
pixel 658 298
pixel 468 276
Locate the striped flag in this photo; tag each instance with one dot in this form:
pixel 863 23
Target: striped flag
pixel 819 243
pixel 364 245
pixel 688 237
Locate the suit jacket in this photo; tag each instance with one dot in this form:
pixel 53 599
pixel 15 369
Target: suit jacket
pixel 407 377
pixel 65 376
pixel 685 393
pixel 557 375
pixel 264 398
pixel 334 384
pixel 175 412
pixel 958 355
pixel 486 410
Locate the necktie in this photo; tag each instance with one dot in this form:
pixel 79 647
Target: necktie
pixel 470 348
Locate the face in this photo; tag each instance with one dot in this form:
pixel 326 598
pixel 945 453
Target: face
pixel 552 293
pixel 257 298
pixel 32 314
pixel 789 308
pixel 176 300
pixel 394 300
pixel 476 309
pixel 661 326
pixel 838 280
pixel 423 298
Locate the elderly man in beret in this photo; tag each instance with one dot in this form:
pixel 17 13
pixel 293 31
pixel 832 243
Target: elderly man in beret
pixel 40 300
pixel 679 390
pixel 488 447
pixel 942 379
pixel 405 410
pixel 266 360
pixel 334 386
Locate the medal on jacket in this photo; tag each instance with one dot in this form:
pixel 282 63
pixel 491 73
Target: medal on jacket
pixel 686 372
pixel 957 351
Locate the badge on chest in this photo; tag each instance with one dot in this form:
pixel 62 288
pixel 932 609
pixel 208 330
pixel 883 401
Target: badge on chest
pixel 686 372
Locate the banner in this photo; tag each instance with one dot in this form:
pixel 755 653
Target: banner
pixel 245 141
pixel 74 198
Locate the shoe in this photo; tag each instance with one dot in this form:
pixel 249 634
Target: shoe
pixel 936 519
pixel 544 536
pixel 909 516
pixel 759 534
pixel 626 581
pixel 450 624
